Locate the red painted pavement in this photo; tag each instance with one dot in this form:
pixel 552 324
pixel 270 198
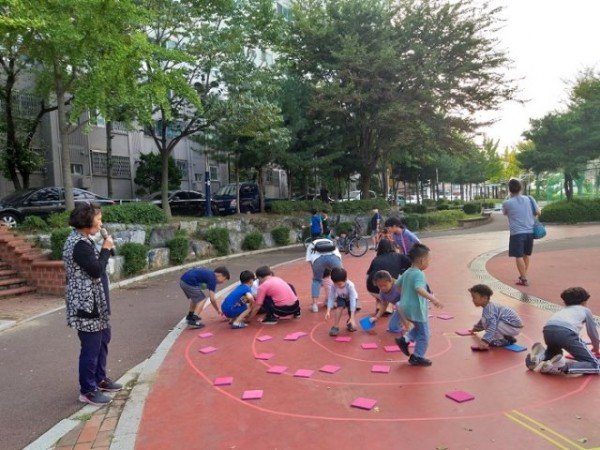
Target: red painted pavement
pixel 513 407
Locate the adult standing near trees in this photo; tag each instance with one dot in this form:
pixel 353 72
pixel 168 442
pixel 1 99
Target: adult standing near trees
pixel 87 299
pixel 521 211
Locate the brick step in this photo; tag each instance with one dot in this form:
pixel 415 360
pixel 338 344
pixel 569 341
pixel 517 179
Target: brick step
pixel 7 273
pixel 4 266
pixel 16 291
pixel 11 282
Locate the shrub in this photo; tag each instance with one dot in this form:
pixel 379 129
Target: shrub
pixel 288 206
pixel 412 221
pixel 58 220
pixel 135 212
pixel 449 217
pixel 219 238
pixel 57 242
pixel 34 223
pixel 135 257
pixel 179 248
pixel 429 202
pixel 443 207
pixel 412 208
pixel 574 211
pixel 344 228
pixel 360 206
pixel 472 208
pixel 281 235
pixel 252 241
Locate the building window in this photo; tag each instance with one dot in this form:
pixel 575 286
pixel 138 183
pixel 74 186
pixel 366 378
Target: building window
pixel 214 173
pixel 198 177
pixel 77 169
pixel 120 165
pixel 182 165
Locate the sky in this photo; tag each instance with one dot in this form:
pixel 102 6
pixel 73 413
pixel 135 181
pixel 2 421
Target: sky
pixel 550 42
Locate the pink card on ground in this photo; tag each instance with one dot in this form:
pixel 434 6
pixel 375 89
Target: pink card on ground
pixel 252 395
pixel 464 332
pixel 460 396
pixel 329 368
pixel 445 316
pixel 277 370
pixel 364 403
pixel 343 339
pixel 300 333
pixel 380 369
pixel 263 338
pixel 391 348
pixel 206 350
pixel 265 356
pixel 291 337
pixel 223 381
pixel 369 345
pixel 304 373
pixel 205 335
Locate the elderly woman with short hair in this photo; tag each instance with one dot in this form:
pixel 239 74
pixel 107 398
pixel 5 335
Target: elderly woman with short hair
pixel 87 299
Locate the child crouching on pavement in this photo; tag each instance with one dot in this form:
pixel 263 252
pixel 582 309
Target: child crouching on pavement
pixel 500 323
pixel 389 293
pixel 561 332
pixel 193 283
pixel 342 296
pixel 238 304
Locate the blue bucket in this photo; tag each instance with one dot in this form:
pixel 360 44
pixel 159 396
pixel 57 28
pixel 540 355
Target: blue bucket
pixel 365 323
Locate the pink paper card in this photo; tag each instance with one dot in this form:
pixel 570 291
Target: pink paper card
pixel 304 373
pixel 445 316
pixel 364 403
pixel 391 348
pixel 263 338
pixel 206 350
pixel 369 345
pixel 460 396
pixel 205 335
pixel 300 333
pixel 291 337
pixel 343 339
pixel 277 370
pixel 380 369
pixel 464 332
pixel 265 356
pixel 223 381
pixel 252 395
pixel 329 368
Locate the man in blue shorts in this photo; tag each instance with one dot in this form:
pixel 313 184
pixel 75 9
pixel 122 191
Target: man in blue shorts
pixel 193 283
pixel 520 212
pixel 238 304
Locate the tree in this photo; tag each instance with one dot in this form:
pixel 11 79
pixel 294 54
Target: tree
pixel 149 173
pixel 391 77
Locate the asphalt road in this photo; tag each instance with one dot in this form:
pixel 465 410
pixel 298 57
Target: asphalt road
pixel 38 369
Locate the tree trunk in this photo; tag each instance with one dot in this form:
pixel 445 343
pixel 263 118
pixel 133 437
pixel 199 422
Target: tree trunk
pixel 261 195
pixel 568 186
pixel 63 130
pixel 109 137
pixel 11 132
pixel 237 186
pixel 164 182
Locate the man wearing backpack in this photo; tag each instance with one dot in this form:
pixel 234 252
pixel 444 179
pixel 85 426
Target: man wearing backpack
pixel 321 254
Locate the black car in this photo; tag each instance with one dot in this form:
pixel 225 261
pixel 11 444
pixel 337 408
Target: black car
pixel 41 202
pixel 184 203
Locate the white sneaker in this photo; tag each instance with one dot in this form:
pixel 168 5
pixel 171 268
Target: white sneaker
pixel 533 359
pixel 554 366
pixel 314 307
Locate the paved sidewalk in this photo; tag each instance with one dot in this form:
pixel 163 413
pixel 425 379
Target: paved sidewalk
pixel 513 408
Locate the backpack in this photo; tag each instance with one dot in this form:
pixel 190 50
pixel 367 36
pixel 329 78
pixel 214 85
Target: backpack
pixel 323 246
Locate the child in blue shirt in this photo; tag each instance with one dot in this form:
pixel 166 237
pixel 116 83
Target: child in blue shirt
pixel 238 304
pixel 413 306
pixel 316 224
pixel 342 296
pixel 194 282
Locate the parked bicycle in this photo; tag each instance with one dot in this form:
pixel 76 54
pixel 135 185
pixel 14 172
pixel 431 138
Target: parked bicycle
pixel 354 243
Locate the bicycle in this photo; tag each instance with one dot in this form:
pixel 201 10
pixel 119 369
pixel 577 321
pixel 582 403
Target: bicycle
pixel 354 243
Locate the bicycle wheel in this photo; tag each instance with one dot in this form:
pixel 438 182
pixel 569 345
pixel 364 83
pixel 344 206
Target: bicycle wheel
pixel 358 246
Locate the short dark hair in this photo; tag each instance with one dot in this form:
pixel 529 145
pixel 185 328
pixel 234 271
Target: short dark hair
pixel 382 275
pixel 385 246
pixel 223 271
pixel 338 274
pixel 246 275
pixel 83 215
pixel 514 186
pixel 574 296
pixel 263 271
pixel 326 272
pixel 482 289
pixel 418 251
pixel 313 211
pixel 395 222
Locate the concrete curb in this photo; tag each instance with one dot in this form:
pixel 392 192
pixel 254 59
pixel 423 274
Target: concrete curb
pixel 125 434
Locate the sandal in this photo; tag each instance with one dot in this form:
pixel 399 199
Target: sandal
pixel 350 327
pixel 334 331
pixel 522 282
pixel 237 326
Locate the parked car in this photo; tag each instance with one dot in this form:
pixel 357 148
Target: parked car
pixel 184 203
pixel 42 202
pixel 356 195
pixel 226 198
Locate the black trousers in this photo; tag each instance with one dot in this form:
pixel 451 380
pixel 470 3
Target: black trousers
pixel 273 310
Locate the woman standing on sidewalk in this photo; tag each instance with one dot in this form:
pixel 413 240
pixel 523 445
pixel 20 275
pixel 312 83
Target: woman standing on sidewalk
pixel 521 211
pixel 88 305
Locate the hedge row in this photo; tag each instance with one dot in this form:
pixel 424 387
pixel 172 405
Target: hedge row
pixel 350 207
pixel 574 211
pixel 422 221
